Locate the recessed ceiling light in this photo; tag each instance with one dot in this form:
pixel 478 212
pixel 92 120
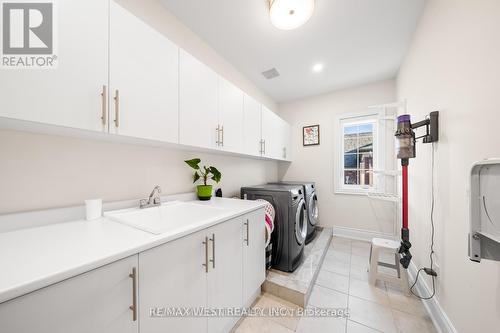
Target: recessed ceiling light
pixel 290 14
pixel 317 68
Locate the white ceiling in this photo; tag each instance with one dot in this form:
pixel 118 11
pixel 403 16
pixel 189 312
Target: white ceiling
pixel 358 41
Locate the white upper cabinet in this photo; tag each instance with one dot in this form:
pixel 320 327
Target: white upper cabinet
pixel 69 95
pixel 119 75
pixel 287 135
pixel 266 130
pixel 230 136
pixel 284 139
pixel 98 301
pixel 144 79
pixel 252 126
pixel 275 136
pixel 198 103
pixel 270 134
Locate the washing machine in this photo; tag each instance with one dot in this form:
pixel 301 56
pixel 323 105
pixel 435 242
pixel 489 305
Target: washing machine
pixel 311 199
pixel 290 222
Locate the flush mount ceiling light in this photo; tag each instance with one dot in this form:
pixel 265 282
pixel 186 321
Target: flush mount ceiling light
pixel 290 14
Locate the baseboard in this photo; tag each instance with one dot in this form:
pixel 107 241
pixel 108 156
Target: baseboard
pixel 441 321
pixel 365 235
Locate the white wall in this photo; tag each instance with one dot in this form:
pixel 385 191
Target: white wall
pixel 39 171
pixel 454 66
pixel 42 171
pixel 316 163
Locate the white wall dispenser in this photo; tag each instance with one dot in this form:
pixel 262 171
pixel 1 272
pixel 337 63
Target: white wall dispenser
pixel 484 207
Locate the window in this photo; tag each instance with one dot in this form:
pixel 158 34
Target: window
pixel 358 153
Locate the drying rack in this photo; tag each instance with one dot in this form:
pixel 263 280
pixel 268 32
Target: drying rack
pixel 484 210
pixel 393 197
pixel 389 178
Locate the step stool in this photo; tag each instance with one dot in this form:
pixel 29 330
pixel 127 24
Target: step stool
pixel 391 246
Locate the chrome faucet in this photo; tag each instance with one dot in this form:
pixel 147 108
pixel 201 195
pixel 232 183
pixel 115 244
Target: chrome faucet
pixel 152 200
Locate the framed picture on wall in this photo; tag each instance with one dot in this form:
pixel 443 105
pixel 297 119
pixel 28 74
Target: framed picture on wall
pixel 310 135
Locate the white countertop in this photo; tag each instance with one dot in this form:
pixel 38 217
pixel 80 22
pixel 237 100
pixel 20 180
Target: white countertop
pixel 34 258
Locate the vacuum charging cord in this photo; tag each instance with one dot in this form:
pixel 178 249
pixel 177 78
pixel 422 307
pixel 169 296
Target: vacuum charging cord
pixel 429 270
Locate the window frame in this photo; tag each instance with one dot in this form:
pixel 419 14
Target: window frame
pixel 343 121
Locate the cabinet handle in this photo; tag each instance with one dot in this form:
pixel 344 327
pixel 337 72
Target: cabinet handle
pixel 213 250
pixel 104 100
pixel 117 108
pixel 206 254
pixel 264 141
pixel 217 142
pixel 248 232
pixel 133 307
pixel 222 131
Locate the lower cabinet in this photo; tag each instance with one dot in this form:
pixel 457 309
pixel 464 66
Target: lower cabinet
pixel 224 278
pixel 254 254
pixel 173 276
pixel 202 271
pixel 98 301
pixel 165 289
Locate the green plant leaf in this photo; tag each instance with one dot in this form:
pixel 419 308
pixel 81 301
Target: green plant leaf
pixel 203 172
pixel 194 163
pixel 196 176
pixel 216 175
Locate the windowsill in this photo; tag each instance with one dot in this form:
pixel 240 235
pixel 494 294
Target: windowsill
pixel 361 192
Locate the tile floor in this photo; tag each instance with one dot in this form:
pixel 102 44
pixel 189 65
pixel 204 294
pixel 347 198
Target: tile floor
pixel 343 283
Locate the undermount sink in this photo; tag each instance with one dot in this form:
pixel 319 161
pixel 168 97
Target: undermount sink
pixel 168 217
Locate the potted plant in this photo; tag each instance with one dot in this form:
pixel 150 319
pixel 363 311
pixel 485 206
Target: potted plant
pixel 204 191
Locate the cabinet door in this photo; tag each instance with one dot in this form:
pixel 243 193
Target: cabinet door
pixel 198 103
pixel 254 254
pixel 69 95
pixel 270 134
pixel 97 301
pixel 144 69
pixel 284 140
pixel 225 274
pixel 252 126
pixel 230 116
pixel 288 143
pixel 173 275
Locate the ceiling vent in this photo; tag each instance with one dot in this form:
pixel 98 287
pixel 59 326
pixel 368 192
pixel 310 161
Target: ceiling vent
pixel 271 73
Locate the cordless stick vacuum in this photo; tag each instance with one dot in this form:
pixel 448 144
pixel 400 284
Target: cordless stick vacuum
pixel 406 149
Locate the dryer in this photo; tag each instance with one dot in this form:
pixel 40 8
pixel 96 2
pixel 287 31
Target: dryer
pixel 311 199
pixel 290 230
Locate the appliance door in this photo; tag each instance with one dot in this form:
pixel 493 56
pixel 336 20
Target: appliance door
pixel 300 222
pixel 312 209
